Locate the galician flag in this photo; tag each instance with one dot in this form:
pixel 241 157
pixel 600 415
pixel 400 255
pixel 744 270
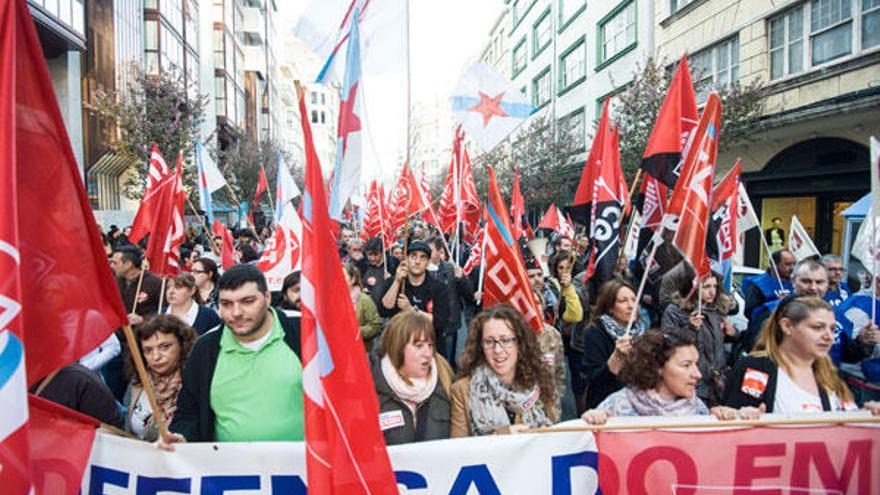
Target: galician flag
pixel 210 179
pixel 346 179
pixel 488 106
pixel 866 247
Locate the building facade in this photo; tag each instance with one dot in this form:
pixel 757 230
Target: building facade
pixel 819 62
pixel 568 55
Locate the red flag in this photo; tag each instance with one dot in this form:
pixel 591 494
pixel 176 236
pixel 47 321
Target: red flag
pixel 425 188
pixel 60 445
pixel 690 200
pixel 677 118
pixel 517 207
pixel 607 206
pixel 407 200
pixel 58 297
pixel 227 246
pixel 476 256
pixel 373 217
pixel 553 220
pixel 469 206
pixel 157 173
pixel 446 205
pixel 163 249
pixel 505 279
pixel 653 198
pixel 721 237
pixel 582 206
pixel 262 186
pixel 345 450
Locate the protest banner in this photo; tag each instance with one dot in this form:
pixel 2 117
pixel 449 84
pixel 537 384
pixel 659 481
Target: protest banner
pixel 558 463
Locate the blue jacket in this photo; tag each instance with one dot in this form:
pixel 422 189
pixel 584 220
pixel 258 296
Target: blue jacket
pixel 760 289
pixel 851 315
pixel 836 297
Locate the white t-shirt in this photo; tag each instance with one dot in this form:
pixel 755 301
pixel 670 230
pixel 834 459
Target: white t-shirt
pixel 792 399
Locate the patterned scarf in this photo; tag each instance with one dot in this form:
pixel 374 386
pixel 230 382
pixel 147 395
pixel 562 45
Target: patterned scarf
pixel 166 388
pixel 616 330
pixel 489 399
pixel 649 403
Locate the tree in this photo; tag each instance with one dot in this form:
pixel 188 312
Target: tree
pixel 546 162
pixel 240 163
pixel 155 109
pixel 640 102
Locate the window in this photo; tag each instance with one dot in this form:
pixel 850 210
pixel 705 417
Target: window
pixel 617 31
pixel 716 66
pixel 541 33
pixel 787 43
pixel 314 116
pixel 314 98
pixel 220 95
pixel 573 65
pixel 568 9
pixel 151 47
pixel 541 88
pixel 676 5
pixel 519 57
pixel 515 12
pixel 572 127
pixel 830 29
pixel 323 118
pixel 870 23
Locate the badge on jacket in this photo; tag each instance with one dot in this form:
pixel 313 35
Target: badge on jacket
pixel 754 382
pixel 391 419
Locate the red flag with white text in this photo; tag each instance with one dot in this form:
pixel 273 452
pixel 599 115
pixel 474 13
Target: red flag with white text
pixel 505 279
pixel 163 248
pixel 345 449
pixel 517 207
pixel 60 444
pixel 227 245
pixel 690 200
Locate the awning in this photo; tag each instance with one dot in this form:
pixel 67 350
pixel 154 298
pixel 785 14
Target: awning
pixel 110 164
pixel 859 208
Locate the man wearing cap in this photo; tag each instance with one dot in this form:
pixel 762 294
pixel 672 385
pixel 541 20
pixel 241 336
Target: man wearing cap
pixel 412 290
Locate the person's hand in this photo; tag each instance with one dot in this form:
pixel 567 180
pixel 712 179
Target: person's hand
pixel 478 296
pixel 621 349
pixel 565 280
pixel 519 428
pixel 403 303
pixel 696 320
pixel 401 272
pixel 596 416
pixel 166 443
pixel 872 406
pixel 729 330
pixel 752 413
pixel 869 334
pixel 783 293
pixel 457 271
pixel 623 345
pixel 723 413
pixel 135 319
pixel 648 300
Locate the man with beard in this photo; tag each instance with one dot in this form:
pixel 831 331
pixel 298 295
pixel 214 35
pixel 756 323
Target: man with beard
pixel 243 379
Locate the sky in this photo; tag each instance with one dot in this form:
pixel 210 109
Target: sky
pixel 446 37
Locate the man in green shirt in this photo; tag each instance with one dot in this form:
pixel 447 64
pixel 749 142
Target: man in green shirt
pixel 243 379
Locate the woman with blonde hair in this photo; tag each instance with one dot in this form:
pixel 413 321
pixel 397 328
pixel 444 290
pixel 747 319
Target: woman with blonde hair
pixel 789 370
pixel 412 382
pixel 504 386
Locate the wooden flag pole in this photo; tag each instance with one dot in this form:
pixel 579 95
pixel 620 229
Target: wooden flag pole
pixel 162 294
pixel 158 415
pixel 138 290
pixel 405 254
pixel 201 221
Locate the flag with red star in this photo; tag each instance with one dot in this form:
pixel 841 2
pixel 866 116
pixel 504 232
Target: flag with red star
pixel 488 106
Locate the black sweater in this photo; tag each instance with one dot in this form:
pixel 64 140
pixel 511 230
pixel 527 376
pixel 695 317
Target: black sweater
pixel 737 395
pixel 194 418
pixel 601 382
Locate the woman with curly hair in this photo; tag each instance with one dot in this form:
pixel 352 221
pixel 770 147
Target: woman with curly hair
pixel 709 327
pixel 164 342
pixel 661 376
pixel 504 386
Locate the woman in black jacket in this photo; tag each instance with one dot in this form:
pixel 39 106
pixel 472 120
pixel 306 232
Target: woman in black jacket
pixel 412 382
pixel 606 342
pixel 789 371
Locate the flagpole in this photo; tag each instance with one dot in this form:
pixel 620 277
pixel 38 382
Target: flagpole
pixel 201 220
pixel 874 269
pixel 269 193
pixel 482 266
pixel 405 254
pixel 658 238
pixel 162 294
pixel 138 290
pixel 770 255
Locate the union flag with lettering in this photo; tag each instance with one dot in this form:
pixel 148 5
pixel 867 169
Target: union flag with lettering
pixel 505 279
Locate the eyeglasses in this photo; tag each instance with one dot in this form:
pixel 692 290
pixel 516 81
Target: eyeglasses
pixel 504 342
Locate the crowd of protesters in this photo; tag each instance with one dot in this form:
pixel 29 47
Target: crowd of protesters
pixel 222 352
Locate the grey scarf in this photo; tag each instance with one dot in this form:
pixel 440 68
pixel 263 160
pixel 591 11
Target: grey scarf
pixel 649 403
pixel 616 331
pixel 489 399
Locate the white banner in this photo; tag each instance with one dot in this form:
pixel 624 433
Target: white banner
pixel 553 463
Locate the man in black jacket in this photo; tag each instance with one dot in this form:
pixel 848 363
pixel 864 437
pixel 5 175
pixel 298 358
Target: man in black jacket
pixel 243 379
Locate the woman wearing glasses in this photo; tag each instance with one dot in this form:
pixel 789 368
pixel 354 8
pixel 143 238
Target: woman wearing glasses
pixel 205 272
pixel 789 370
pixel 504 386
pixel 661 376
